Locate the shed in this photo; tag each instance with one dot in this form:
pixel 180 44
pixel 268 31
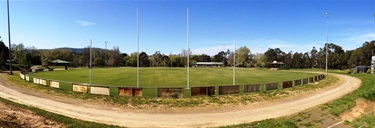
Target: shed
pixel 60 63
pixel 276 65
pixel 208 64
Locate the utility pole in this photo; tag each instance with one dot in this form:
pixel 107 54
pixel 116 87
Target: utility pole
pixel 327 13
pixel 10 46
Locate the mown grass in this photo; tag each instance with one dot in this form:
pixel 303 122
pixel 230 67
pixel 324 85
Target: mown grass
pixel 67 121
pixel 331 109
pixel 147 102
pixel 171 77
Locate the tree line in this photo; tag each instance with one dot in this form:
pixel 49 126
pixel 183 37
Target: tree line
pixel 338 58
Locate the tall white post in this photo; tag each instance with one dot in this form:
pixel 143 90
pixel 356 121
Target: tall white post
pixel 327 13
pixel 90 62
pixel 10 45
pixel 188 48
pixel 234 64
pixel 137 50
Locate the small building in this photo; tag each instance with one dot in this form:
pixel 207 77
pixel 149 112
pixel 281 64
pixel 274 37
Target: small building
pixel 276 65
pixel 207 64
pixel 60 63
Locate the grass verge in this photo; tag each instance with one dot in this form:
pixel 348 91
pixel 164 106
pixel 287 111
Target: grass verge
pixel 327 114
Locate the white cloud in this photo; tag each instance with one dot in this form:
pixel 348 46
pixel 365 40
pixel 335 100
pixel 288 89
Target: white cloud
pixel 354 42
pixel 85 23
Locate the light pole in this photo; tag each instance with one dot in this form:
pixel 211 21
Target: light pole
pixel 327 14
pixel 106 54
pixel 188 48
pixel 90 62
pixel 137 50
pixel 10 46
pixel 223 55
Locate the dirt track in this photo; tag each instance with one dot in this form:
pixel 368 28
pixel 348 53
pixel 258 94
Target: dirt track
pixel 130 118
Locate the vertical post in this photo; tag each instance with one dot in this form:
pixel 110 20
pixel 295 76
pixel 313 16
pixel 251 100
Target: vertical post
pixel 137 50
pixel 223 55
pixel 10 46
pixel 234 64
pixel 327 13
pixel 106 54
pixel 188 48
pixel 90 62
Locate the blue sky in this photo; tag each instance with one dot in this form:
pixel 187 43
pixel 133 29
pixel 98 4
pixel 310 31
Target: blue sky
pixel 292 25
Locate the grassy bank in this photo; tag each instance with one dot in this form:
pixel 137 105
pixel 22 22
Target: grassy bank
pixel 329 112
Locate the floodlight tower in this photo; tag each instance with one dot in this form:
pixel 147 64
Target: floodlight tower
pixel 327 14
pixel 188 48
pixel 137 50
pixel 10 46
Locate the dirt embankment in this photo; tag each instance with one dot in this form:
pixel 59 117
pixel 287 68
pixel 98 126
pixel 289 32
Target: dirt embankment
pixel 14 117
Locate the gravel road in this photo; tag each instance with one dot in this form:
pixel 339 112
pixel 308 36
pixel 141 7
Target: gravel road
pixel 128 118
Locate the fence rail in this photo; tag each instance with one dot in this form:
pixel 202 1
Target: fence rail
pixel 175 92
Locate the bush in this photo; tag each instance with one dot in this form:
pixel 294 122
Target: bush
pixel 355 71
pixel 368 71
pixel 370 95
pixel 348 71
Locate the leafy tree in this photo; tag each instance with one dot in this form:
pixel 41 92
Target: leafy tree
pixel 243 55
pixel 115 58
pixel 143 60
pixel 221 57
pixel 274 55
pixel 356 58
pixel 313 57
pixel 176 60
pixel 131 60
pixel 99 62
pixel 260 60
pixel 4 53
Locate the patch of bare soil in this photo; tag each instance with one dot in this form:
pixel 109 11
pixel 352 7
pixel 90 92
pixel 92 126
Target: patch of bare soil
pixel 361 107
pixel 15 117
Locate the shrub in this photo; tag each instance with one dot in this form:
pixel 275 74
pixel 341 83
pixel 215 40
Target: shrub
pixel 348 71
pixel 370 95
pixel 355 71
pixel 369 71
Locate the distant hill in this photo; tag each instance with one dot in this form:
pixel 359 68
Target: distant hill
pixel 75 50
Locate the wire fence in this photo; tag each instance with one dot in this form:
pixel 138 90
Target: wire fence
pixel 172 92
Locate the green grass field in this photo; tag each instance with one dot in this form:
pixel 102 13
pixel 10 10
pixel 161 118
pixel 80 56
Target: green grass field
pixel 171 77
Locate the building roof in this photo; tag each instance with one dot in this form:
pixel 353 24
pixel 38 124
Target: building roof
pixel 274 62
pixel 208 63
pixel 60 62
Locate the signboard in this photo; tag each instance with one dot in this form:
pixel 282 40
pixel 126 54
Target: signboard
pixel 42 82
pixel 99 90
pixel 54 84
pixel 36 80
pixel 79 88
